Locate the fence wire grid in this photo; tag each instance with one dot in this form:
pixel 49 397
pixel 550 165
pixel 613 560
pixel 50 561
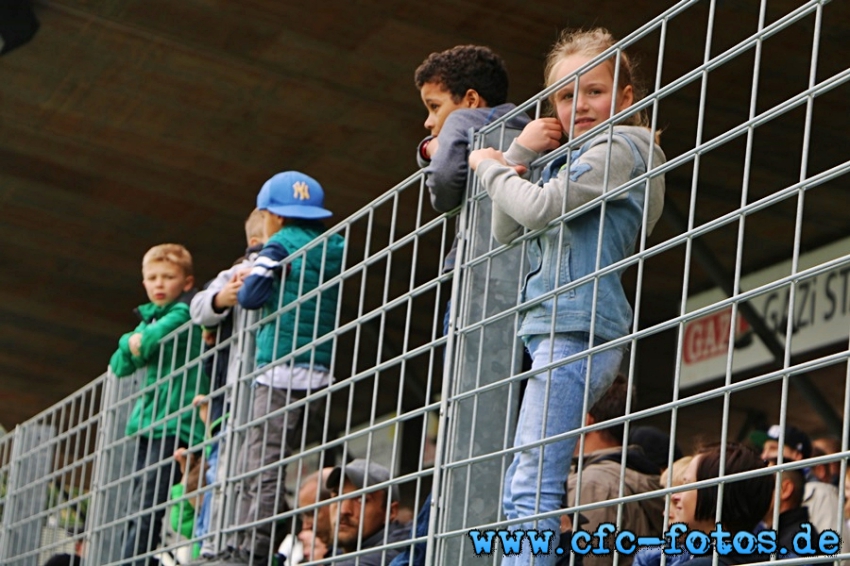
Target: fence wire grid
pixel 427 374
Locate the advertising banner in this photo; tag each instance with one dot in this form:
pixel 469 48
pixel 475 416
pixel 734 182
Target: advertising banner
pixel 821 317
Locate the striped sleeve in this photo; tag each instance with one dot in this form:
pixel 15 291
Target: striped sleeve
pixel 257 287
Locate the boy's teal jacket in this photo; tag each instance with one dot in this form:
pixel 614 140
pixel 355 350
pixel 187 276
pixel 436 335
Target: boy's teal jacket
pixel 171 392
pixel 299 325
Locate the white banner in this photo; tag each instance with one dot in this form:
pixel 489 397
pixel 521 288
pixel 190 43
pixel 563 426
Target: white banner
pixel 821 317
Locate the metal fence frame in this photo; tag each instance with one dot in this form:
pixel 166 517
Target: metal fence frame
pixel 73 459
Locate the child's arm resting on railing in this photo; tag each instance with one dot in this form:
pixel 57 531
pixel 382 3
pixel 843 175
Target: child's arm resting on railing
pixel 535 206
pixel 257 286
pixel 505 229
pixel 154 332
pixel 207 308
pixel 448 170
pixel 123 362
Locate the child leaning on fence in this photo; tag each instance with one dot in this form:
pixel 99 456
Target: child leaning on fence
pixel 292 205
pixel 216 309
pixel 160 420
pixel 561 325
pixel 463 88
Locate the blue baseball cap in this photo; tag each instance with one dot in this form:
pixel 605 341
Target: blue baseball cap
pixel 293 195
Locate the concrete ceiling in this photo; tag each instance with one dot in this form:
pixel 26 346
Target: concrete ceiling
pixel 127 123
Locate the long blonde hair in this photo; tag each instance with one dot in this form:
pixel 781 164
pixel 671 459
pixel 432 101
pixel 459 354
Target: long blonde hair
pixel 591 43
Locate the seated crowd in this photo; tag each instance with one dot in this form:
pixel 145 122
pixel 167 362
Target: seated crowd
pixel 351 512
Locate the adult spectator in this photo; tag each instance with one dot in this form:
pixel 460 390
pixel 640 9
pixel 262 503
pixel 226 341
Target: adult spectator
pixel 368 519
pixel 820 498
pixel 792 512
pixel 314 539
pixel 652 555
pixel 602 473
pixel 829 472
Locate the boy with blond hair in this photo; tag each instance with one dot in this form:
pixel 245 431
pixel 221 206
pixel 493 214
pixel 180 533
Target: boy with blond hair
pixel 159 420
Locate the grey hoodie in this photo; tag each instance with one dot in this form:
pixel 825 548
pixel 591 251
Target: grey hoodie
pixel 446 174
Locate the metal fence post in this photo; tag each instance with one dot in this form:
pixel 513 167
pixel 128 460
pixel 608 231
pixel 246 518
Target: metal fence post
pixel 10 480
pixel 479 424
pixel 32 457
pixel 240 414
pixel 109 495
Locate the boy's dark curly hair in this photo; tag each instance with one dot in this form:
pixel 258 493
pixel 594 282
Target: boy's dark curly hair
pixel 466 67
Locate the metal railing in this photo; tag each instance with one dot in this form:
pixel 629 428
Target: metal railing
pixel 437 407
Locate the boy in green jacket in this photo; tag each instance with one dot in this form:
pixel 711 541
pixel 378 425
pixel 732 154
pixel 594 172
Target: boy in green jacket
pixel 159 420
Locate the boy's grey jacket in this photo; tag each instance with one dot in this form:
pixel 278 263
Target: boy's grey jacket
pixel 446 174
pixel 555 259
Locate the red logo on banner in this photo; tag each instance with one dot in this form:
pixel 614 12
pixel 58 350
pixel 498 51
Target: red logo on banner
pixel 708 336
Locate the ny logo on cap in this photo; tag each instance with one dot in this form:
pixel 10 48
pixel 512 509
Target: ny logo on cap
pixel 301 191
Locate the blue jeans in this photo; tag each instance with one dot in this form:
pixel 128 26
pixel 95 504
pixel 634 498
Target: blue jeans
pixel 538 420
pixel 202 526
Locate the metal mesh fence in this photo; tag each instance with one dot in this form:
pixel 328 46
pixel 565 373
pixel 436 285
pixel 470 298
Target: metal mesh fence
pixel 371 355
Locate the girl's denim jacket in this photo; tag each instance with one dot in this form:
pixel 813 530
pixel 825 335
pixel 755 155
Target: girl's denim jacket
pixel 567 252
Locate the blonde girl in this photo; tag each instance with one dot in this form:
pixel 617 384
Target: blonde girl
pixel 561 324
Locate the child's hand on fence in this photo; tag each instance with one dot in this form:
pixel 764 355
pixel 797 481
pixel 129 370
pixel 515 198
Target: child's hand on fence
pixel 181 456
pixel 202 402
pixel 432 147
pixel 135 344
pixel 479 155
pixel 208 336
pixel 543 134
pixel 226 298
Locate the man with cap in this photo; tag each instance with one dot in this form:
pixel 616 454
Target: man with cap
pixel 367 519
pixel 820 498
pixel 792 513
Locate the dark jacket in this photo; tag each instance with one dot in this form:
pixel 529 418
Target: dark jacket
pixel 446 173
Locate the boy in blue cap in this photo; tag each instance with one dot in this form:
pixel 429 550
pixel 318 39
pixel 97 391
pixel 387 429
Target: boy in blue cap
pixel 292 205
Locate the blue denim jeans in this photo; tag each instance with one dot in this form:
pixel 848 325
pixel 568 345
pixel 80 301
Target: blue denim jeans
pixel 527 476
pixel 202 526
